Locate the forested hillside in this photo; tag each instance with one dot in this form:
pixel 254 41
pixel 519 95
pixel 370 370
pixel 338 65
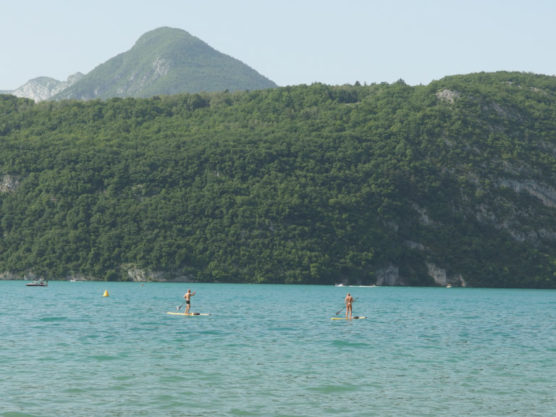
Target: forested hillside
pixel 449 183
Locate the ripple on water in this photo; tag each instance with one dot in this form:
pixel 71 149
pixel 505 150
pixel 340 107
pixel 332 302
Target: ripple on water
pixel 17 414
pixel 349 344
pixel 335 388
pixel 53 319
pixel 103 358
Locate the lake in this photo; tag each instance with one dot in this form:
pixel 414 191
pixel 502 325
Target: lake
pixel 273 350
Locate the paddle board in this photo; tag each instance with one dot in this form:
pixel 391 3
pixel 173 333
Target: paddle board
pixel 188 314
pixel 353 318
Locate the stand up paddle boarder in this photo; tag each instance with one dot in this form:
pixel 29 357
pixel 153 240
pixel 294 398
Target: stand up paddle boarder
pixel 349 302
pixel 187 297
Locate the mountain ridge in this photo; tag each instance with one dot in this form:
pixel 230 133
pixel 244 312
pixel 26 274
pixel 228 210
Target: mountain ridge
pixel 163 61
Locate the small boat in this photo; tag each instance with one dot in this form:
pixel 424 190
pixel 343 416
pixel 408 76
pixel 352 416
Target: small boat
pixel 355 286
pixel 40 283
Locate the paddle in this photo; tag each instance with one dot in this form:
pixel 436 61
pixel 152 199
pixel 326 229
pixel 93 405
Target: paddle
pixel 339 311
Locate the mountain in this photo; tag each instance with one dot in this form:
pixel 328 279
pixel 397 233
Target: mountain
pixel 43 88
pixel 162 62
pixel 452 183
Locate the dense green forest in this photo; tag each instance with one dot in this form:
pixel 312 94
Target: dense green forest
pixel 315 184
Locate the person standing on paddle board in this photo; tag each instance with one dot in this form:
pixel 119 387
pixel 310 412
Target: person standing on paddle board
pixel 187 297
pixel 349 303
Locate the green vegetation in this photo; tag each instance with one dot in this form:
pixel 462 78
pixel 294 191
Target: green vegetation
pixel 305 184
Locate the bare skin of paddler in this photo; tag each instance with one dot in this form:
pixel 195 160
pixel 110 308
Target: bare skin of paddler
pixel 349 303
pixel 187 297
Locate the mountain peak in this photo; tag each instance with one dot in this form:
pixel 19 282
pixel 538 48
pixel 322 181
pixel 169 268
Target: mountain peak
pixel 163 33
pixel 166 61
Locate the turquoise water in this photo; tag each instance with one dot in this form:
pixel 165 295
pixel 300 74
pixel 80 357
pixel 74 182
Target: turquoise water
pixel 273 351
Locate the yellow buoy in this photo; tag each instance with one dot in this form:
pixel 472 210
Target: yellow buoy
pixel 105 293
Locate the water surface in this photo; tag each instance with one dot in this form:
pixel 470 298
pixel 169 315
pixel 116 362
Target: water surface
pixel 269 350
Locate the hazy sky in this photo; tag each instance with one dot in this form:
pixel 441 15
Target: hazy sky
pixel 290 42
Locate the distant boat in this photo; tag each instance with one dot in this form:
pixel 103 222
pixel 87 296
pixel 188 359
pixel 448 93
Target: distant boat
pixel 40 283
pixel 357 286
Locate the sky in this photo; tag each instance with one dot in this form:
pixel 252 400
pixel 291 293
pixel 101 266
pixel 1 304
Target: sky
pixel 290 42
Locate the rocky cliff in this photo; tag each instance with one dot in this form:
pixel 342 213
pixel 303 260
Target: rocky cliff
pixel 43 88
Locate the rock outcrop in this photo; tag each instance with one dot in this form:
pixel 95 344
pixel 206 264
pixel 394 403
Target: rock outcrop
pixel 389 276
pixel 545 193
pixel 442 278
pixel 8 183
pixel 43 88
pixel 142 275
